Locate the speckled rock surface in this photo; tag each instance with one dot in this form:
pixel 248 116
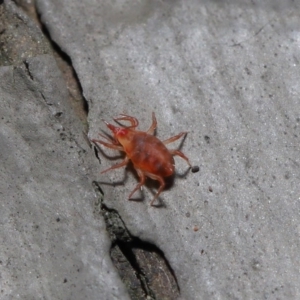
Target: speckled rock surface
pixel 228 73
pixel 52 244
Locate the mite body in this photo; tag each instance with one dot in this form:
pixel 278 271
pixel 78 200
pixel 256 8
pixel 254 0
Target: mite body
pixel 149 156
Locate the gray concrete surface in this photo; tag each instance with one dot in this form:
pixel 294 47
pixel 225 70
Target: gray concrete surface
pixel 52 245
pixel 227 72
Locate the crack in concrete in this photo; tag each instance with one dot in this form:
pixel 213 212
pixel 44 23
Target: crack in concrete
pixel 141 265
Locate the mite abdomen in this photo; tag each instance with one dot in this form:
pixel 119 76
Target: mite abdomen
pixel 151 155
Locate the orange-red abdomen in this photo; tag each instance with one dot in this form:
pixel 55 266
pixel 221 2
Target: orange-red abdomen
pixel 150 155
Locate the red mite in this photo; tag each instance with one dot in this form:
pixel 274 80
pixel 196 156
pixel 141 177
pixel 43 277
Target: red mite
pixel 149 156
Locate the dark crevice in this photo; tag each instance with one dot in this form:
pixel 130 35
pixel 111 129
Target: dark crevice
pixel 126 249
pixel 97 154
pixel 44 98
pixel 141 265
pixel 27 70
pixel 64 62
pixel 67 59
pixel 98 189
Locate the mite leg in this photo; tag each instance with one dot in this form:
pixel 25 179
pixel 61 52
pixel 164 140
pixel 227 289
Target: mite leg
pixel 153 125
pixel 108 145
pixel 121 164
pixel 134 122
pixel 179 153
pixel 161 187
pixel 142 182
pixel 112 140
pixel 174 138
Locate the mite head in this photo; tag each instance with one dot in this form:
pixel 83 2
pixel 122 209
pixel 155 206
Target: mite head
pixel 121 134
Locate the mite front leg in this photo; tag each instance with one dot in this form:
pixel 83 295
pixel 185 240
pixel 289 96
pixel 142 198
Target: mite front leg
pixel 108 145
pixel 120 165
pixel 134 122
pixel 110 139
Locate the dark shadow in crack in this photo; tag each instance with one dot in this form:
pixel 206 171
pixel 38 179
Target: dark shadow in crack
pixel 141 265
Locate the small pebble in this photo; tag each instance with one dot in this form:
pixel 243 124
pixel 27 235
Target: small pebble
pixel 195 169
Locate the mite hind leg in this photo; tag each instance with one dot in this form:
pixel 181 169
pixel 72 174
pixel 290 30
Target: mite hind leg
pixel 161 187
pixel 153 125
pixel 179 153
pixel 140 184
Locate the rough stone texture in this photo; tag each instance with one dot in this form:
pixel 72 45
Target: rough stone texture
pixel 227 72
pixel 52 245
pixel 19 37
